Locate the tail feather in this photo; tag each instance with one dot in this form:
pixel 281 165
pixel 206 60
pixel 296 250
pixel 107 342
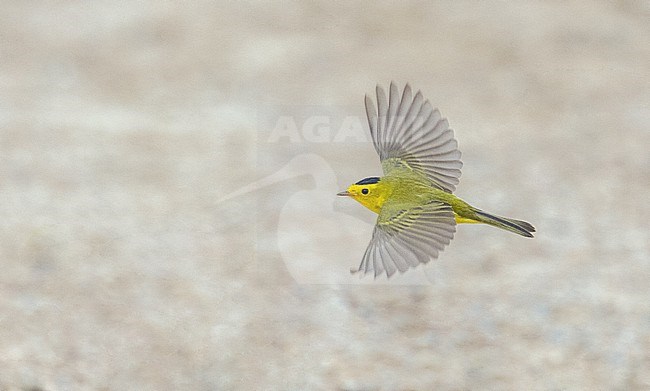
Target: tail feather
pixel 517 226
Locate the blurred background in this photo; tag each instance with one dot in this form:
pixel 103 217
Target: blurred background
pixel 126 126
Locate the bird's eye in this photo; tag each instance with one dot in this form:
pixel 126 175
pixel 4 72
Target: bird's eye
pixel 364 191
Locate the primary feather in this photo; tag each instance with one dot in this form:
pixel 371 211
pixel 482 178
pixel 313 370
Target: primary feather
pixel 410 133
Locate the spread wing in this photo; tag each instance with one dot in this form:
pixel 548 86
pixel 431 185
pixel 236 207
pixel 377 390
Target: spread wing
pixel 408 132
pixel 404 238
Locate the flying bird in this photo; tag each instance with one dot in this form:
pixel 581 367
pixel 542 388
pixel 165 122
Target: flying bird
pixel 417 210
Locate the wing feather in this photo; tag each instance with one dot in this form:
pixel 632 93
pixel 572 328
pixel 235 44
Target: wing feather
pixel 393 107
pixel 408 133
pixel 405 238
pixel 382 107
pixel 378 263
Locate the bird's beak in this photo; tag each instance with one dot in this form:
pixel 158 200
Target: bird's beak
pixel 343 194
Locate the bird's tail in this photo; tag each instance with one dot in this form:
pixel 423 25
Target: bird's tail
pixel 517 226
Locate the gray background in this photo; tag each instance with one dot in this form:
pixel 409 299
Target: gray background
pixel 123 124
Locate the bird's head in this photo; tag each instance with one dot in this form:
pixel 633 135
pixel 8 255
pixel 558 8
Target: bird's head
pixel 369 192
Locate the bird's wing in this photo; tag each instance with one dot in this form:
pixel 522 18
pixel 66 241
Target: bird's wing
pixel 408 133
pixel 404 238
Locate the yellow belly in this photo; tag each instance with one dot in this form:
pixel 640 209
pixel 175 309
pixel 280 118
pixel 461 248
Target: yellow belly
pixel 464 220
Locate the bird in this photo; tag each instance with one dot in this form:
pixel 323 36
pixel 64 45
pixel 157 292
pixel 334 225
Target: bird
pixel 417 210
